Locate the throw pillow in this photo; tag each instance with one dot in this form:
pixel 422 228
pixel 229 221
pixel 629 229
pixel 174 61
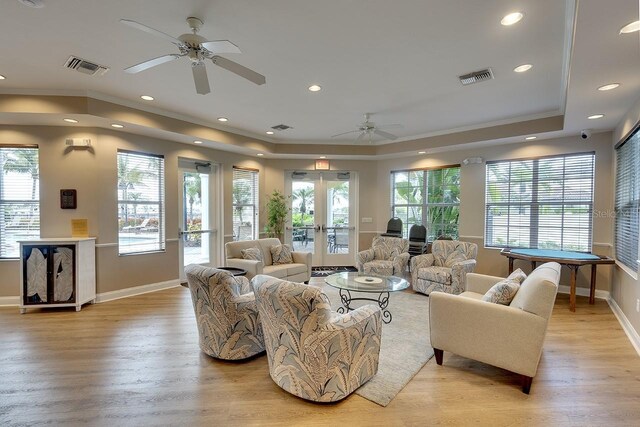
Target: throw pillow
pixel 454 258
pixel 502 292
pixel 518 276
pixel 281 254
pixel 254 254
pixel 380 252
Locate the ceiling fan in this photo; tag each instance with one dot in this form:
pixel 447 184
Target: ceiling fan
pixel 197 49
pixel 369 128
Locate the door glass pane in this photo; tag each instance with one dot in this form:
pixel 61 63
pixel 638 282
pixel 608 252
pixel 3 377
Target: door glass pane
pixel 195 217
pixel 302 215
pixel 338 217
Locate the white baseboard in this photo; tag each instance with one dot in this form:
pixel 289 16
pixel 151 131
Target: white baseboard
pixel 137 290
pixel 109 296
pixel 626 325
pixel 584 292
pixel 9 301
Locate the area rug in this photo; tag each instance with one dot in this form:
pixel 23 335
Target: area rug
pixel 405 345
pixel 327 270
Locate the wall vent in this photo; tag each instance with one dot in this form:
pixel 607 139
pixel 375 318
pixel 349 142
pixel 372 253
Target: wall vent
pixel 85 67
pixel 281 127
pixel 476 77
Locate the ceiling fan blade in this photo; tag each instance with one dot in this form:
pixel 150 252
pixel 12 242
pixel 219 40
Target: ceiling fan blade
pixel 200 78
pixel 361 136
pixel 152 63
pixel 240 70
pixel 345 133
pixel 142 27
pixel 220 46
pixel 384 134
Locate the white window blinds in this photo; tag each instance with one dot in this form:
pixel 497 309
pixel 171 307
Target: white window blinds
pixel 627 201
pixel 245 204
pixel 542 203
pixel 141 212
pixel 19 198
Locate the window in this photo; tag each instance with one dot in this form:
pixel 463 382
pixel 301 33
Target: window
pixel 19 198
pixel 627 203
pixel 140 202
pixel 245 204
pixel 542 203
pixel 430 197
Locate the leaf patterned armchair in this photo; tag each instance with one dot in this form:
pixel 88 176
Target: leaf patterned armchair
pixel 444 269
pixel 388 256
pixel 314 353
pixel 226 313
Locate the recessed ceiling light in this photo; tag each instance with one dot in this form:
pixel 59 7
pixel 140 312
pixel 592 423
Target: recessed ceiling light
pixel 197 142
pixel 223 119
pixel 630 28
pixel 511 18
pixel 70 120
pixel 522 68
pixel 609 86
pixel 530 138
pixel 116 125
pixel 323 157
pixel 2 77
pixel 259 154
pixel 147 97
pixel 595 116
pixel 314 88
pixel 422 152
pixel 269 132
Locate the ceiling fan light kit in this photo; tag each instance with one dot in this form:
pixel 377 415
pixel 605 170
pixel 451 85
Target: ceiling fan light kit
pixel 197 49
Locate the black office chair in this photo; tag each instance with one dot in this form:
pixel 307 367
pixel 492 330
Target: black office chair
pixel 394 228
pixel 417 240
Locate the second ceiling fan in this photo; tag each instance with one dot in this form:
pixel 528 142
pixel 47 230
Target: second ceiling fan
pixel 368 129
pixel 198 50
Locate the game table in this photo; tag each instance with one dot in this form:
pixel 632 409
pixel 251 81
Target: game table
pixel 573 260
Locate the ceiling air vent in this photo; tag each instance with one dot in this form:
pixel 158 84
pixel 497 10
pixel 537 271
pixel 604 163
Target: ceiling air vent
pixel 85 67
pixel 476 77
pixel 281 127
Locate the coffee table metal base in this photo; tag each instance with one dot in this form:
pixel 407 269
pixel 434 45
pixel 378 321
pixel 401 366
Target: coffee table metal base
pixel 382 300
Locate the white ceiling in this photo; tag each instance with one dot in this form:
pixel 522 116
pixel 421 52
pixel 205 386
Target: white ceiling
pixel 399 60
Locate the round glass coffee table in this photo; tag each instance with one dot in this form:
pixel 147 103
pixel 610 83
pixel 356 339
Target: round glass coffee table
pixel 348 282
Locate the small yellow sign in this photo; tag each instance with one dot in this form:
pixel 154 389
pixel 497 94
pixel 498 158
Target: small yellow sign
pixel 322 165
pixel 79 228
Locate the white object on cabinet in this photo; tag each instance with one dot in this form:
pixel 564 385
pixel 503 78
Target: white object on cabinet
pixel 57 272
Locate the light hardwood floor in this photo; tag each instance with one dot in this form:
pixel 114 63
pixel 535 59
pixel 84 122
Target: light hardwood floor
pixel 136 362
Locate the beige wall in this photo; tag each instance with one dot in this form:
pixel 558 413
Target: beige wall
pixel 625 286
pixel 472 194
pixel 93 173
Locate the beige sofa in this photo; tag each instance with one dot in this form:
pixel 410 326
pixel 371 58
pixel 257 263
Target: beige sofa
pixel 298 271
pixel 509 337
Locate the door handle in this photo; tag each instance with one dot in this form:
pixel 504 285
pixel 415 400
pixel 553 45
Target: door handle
pixel 317 228
pixel 324 228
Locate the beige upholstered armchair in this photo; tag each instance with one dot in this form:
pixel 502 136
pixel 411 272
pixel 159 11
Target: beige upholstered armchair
pixel 313 353
pixel 506 336
pixel 226 313
pixel 388 256
pixel 444 269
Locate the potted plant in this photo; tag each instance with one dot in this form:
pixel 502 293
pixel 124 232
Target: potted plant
pixel 277 212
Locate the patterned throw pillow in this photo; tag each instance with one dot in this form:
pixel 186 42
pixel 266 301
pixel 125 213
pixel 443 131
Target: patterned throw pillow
pixel 254 254
pixel 281 254
pixel 380 252
pixel 518 276
pixel 502 292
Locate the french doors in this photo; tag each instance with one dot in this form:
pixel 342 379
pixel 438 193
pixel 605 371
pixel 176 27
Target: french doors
pixel 199 185
pixel 323 216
